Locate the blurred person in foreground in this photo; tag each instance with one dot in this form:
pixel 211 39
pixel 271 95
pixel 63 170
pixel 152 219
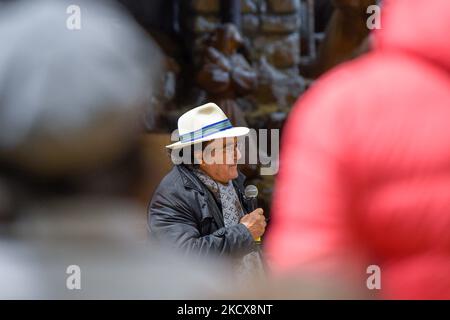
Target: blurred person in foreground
pixel 70 103
pixel 365 166
pixel 199 206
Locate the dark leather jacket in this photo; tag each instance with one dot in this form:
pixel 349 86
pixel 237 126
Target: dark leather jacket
pixel 185 214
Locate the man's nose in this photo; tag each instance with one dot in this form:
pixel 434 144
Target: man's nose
pixel 238 154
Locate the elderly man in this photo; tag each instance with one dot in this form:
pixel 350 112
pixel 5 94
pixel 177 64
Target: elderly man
pixel 199 206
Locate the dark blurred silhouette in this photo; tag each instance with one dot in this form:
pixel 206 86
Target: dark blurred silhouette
pixel 71 104
pixel 365 165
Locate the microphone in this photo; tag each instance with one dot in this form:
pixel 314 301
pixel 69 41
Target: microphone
pixel 251 194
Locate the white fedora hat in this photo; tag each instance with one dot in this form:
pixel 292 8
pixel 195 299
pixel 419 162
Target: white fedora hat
pixel 204 123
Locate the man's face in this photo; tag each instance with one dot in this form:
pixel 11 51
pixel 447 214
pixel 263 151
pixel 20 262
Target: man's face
pixel 220 159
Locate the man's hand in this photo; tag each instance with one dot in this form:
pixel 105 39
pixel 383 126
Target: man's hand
pixel 255 223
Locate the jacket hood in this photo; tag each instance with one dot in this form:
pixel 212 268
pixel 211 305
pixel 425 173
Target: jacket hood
pixel 417 27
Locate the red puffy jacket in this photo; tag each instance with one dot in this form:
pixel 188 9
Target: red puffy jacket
pixel 365 164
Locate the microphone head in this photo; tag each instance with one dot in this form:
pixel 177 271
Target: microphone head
pixel 251 191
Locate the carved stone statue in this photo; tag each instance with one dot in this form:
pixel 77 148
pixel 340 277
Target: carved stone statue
pixel 225 74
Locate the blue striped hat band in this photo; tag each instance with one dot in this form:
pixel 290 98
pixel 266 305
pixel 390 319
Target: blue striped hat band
pixel 206 131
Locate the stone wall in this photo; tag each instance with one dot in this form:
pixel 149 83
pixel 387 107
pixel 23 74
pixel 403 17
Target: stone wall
pixel 271 29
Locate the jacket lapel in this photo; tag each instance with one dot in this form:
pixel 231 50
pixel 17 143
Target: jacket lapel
pixel 192 182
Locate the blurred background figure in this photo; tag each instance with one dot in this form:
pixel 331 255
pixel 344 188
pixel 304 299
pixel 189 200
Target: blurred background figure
pixel 365 165
pixel 345 36
pixel 71 105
